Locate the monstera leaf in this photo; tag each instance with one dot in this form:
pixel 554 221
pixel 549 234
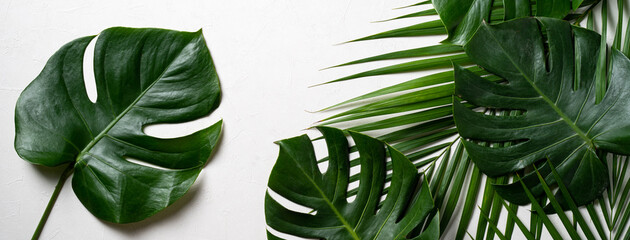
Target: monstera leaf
pixel 550 68
pixel 462 18
pixel 143 77
pixel 297 178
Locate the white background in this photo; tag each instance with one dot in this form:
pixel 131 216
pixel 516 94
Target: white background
pixel 267 53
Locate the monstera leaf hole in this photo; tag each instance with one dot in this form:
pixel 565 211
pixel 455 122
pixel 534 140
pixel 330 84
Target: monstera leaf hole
pixel 504 113
pixel 175 130
pixel 143 163
pixel 545 46
pixel 88 71
pixel 290 205
pixel 320 153
pixel 355 171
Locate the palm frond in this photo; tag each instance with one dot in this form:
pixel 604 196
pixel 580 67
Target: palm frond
pixel 416 118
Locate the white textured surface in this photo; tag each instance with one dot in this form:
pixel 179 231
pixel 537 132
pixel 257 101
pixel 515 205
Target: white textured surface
pixel 267 53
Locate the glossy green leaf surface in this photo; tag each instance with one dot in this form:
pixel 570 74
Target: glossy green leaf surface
pixel 423 94
pixel 462 18
pixel 555 8
pixel 297 178
pixel 143 77
pixel 550 70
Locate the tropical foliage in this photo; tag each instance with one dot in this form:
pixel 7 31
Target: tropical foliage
pixel 561 118
pixel 143 77
pixel 297 177
pixel 417 117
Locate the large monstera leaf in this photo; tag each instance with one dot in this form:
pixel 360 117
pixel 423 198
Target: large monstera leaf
pixel 550 68
pixel 297 178
pixel 462 18
pixel 143 77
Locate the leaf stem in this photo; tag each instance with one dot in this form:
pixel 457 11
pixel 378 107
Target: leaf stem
pixel 64 176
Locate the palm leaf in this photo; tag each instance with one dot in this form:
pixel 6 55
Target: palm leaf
pixel 387 103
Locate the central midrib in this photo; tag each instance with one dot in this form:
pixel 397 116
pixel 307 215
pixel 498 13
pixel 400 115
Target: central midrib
pixel 560 113
pixel 123 113
pixel 343 221
pixel 564 117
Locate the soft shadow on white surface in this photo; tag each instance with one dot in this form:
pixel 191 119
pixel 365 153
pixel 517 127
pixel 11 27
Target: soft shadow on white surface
pixel 50 174
pixel 174 211
pixel 266 53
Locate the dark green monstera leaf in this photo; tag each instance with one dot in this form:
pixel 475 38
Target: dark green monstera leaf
pixel 462 18
pixel 143 77
pixel 297 178
pixel 550 68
